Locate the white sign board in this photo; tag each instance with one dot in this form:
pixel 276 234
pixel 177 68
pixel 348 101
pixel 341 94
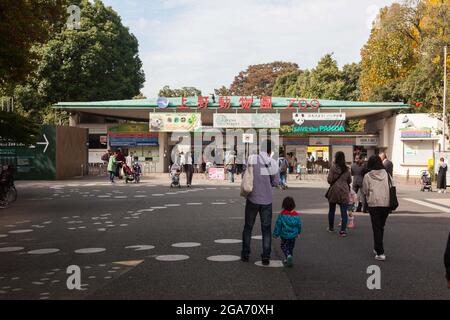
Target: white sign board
pixel 319 141
pixel 247 138
pixel 247 121
pixel 367 141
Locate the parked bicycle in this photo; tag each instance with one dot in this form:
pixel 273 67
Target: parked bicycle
pixel 8 191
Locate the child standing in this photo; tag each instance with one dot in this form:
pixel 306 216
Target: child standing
pixel 288 227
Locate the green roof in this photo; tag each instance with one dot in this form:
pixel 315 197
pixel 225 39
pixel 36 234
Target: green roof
pixel 235 103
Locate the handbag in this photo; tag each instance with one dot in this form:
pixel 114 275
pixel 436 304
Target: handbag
pixel 332 184
pixel 393 200
pixel 247 181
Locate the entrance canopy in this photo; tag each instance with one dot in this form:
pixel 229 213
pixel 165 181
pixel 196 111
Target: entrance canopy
pixel 139 109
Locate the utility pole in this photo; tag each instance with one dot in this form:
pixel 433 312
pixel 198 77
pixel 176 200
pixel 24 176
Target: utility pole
pixel 444 116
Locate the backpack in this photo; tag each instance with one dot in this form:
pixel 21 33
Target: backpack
pixel 283 164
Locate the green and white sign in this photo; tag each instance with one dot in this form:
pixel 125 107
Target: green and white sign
pixel 247 121
pixel 37 162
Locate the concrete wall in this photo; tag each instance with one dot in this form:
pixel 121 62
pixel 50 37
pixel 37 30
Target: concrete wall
pixel 71 152
pixel 395 145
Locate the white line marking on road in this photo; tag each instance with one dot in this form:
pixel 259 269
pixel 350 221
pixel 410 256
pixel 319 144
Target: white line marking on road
pixel 173 205
pixel 194 204
pixel 3 235
pixel 429 205
pixel 141 247
pixel 257 237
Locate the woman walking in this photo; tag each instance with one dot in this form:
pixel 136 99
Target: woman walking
pixel 339 179
pixel 376 188
pixel 112 166
pixel 442 176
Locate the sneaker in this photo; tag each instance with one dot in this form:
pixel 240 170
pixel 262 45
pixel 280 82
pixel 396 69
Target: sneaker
pixel 245 258
pixel 290 261
pixel 265 262
pixel 343 234
pixel 331 230
pixel 380 257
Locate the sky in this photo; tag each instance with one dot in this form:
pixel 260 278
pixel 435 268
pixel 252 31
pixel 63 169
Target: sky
pixel 206 43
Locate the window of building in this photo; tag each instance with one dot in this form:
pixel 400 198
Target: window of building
pixel 98 141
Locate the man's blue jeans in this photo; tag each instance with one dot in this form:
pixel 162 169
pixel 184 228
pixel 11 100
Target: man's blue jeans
pixel 265 213
pixel 344 216
pixel 283 179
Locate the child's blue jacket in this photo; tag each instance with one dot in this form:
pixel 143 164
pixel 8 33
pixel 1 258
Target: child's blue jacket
pixel 288 225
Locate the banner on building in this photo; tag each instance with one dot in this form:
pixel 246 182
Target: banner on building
pixel 175 122
pixel 319 122
pixel 247 121
pixel 127 135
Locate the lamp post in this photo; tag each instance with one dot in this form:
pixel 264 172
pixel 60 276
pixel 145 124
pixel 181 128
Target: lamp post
pixel 444 116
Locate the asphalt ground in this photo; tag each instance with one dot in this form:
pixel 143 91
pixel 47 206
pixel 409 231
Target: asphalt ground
pixel 127 234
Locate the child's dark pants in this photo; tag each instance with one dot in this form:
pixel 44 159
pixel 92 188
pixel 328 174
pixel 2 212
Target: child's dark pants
pixel 287 246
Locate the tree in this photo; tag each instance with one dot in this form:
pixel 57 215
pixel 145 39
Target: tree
pixel 167 92
pixel 391 50
pixel 98 62
pixel 24 23
pixel 259 80
pixel 351 74
pixel 16 128
pixel 285 85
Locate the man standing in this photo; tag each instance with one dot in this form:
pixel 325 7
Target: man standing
pixel 265 177
pixel 230 165
pixel 284 168
pixel 388 165
pixel 358 170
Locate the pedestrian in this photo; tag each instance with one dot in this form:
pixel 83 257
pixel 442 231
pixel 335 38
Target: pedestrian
pixel 188 167
pixel 447 261
pixel 105 157
pixel 388 165
pixel 358 170
pixel 230 165
pixel 339 179
pixel 112 166
pixel 283 165
pixel 120 158
pixel 442 176
pixel 259 200
pixel 376 188
pixel 288 227
pixel 129 160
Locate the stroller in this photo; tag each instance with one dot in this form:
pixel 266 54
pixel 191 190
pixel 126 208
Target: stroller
pixel 175 172
pixel 129 173
pixel 426 182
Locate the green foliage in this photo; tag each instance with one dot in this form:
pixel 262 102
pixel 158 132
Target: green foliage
pixel 17 128
pixel 98 62
pixel 167 92
pixel 22 24
pixel 259 80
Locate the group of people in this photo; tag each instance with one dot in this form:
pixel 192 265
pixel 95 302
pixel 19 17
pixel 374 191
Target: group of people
pixel 374 180
pixel 116 162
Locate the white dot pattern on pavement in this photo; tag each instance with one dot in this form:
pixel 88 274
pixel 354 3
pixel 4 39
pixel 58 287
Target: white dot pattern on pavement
pixel 186 245
pixel 141 247
pixel 273 264
pixel 227 241
pixel 90 250
pixel 172 258
pixel 223 258
pixel 21 231
pixel 43 251
pixel 11 249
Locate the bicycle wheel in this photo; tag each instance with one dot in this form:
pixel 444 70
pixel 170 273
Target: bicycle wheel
pixel 11 195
